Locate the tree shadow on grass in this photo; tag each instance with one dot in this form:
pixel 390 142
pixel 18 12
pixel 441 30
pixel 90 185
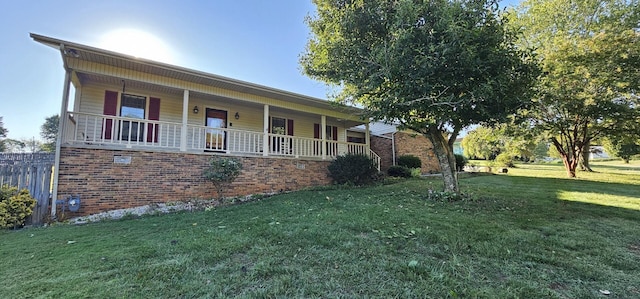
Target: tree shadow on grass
pixel 629 167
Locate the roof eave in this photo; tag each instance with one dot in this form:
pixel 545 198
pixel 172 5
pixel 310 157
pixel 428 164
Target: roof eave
pixel 57 43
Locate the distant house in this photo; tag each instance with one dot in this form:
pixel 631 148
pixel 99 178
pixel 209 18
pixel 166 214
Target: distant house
pixel 142 132
pixel 457 146
pixel 390 143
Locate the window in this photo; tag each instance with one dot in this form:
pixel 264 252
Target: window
pixel 278 125
pixel 332 132
pixel 132 106
pixel 281 126
pixel 353 139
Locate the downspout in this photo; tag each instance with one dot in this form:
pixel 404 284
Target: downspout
pixel 61 122
pixel 393 147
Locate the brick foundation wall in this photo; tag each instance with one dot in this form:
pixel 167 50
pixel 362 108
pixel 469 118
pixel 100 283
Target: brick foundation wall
pixel 406 144
pixel 157 177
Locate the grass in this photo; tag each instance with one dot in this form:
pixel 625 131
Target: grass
pixel 528 234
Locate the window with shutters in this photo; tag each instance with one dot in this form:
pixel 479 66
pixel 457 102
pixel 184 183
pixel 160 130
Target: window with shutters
pixel 281 126
pixel 331 134
pixel 278 125
pixel 134 110
pixel 132 106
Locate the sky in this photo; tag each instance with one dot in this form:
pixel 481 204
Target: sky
pixel 250 40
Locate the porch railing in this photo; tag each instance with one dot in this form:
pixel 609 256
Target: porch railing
pixel 97 129
pixel 104 129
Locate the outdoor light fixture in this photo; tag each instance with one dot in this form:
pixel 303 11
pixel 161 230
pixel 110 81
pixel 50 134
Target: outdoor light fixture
pixel 237 116
pixel 195 110
pixel 71 52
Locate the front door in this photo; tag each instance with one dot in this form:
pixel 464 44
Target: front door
pixel 216 122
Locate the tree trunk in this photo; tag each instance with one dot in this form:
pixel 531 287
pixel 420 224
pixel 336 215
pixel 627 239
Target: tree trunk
pixel 584 161
pixel 570 156
pixel 446 159
pixel 570 164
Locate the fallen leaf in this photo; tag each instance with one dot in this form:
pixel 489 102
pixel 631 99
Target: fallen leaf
pixel 70 242
pixel 605 292
pixel 413 263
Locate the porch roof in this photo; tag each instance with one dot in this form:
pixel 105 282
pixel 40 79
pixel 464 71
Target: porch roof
pixel 71 50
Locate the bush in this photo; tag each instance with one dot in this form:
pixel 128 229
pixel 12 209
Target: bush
pixel 15 206
pixel 399 171
pixel 353 169
pixel 504 160
pixel 461 161
pixel 222 171
pixel 409 161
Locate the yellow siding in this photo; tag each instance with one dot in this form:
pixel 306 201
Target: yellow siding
pixel 90 97
pixel 101 69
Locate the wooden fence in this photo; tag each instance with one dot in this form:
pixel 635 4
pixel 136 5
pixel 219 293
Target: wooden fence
pixel 33 172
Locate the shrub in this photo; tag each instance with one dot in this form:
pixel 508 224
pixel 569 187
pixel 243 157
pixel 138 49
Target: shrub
pixel 461 161
pixel 353 169
pixel 504 160
pixel 15 206
pixel 399 171
pixel 222 171
pixel 409 161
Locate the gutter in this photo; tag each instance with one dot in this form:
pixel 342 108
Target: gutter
pixel 393 147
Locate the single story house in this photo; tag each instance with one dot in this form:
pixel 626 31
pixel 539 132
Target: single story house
pixel 142 132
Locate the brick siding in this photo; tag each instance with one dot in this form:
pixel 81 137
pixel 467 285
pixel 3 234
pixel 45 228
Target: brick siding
pixel 406 144
pixel 157 177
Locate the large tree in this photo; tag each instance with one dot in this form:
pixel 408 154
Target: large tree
pixel 434 66
pixel 507 139
pixel 49 133
pixel 590 54
pixel 623 148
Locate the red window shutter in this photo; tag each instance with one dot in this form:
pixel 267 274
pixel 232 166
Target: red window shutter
pixel 316 131
pixel 154 114
pixel 110 108
pixel 290 127
pixel 335 133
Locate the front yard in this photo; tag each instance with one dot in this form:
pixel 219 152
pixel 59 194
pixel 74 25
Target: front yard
pixel 528 234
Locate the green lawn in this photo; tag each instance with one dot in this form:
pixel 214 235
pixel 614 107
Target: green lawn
pixel 529 234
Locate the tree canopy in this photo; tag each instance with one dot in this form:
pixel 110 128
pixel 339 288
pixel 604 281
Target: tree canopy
pixel 589 51
pixel 434 67
pixel 49 133
pixel 510 140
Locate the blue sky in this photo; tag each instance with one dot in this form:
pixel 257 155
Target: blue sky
pixel 251 40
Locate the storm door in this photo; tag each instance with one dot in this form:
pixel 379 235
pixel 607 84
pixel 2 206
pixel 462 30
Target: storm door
pixel 216 122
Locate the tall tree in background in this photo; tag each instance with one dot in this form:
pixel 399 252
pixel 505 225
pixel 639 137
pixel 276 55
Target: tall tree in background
pixel 435 66
pixel 49 133
pixel 623 148
pixel 3 134
pixel 590 54
pixel 507 139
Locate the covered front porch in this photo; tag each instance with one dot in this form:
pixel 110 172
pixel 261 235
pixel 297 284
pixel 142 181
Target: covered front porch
pixel 113 132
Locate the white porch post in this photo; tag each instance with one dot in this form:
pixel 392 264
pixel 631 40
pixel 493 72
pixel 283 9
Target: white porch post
pixel 265 131
pixel 61 128
pixel 367 135
pixel 185 121
pixel 323 135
